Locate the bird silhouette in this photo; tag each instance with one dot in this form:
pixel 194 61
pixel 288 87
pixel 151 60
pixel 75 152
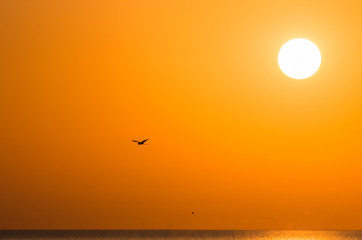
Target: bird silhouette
pixel 140 143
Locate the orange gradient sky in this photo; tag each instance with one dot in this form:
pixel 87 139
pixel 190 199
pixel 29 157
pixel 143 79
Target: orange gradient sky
pixel 231 137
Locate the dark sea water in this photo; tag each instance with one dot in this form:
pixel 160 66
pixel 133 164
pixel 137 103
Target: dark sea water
pixel 178 234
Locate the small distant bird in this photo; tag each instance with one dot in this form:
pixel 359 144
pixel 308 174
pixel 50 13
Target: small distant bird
pixel 140 143
pixel 192 212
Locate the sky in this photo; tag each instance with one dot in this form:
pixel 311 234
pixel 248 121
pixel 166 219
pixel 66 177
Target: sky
pixel 231 138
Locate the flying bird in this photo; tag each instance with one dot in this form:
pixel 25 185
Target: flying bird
pixel 140 143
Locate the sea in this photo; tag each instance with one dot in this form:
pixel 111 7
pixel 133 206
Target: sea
pixel 177 234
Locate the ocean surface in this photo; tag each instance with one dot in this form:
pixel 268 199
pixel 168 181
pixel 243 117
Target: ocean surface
pixel 177 234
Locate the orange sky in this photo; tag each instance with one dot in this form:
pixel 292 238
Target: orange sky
pixel 231 137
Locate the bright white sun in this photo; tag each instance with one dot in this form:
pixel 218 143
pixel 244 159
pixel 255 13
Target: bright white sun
pixel 299 58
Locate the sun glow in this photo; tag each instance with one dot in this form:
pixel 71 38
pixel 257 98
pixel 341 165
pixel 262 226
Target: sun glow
pixel 299 58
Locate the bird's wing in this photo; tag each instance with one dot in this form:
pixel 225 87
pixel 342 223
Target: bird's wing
pixel 135 141
pixel 144 140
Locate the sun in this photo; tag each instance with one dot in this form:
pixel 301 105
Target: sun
pixel 299 58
